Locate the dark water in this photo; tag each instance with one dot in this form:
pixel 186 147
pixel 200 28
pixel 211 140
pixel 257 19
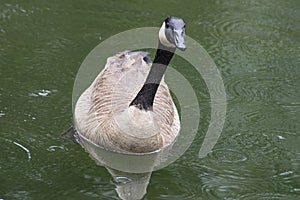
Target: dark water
pixel 255 45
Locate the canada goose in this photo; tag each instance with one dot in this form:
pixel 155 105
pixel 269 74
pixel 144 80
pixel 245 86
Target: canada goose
pixel 128 107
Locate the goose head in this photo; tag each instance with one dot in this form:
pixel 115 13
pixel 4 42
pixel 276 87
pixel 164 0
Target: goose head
pixel 172 32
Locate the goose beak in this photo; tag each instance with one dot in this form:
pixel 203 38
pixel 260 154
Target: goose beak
pixel 179 39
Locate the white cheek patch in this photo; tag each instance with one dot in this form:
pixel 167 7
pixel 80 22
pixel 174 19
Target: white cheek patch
pixel 162 37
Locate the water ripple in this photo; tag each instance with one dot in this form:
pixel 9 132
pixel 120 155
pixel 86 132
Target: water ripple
pixel 227 156
pixel 53 49
pixel 220 27
pixel 253 88
pixel 42 93
pixel 267 196
pixel 218 182
pixel 10 10
pixel 14 159
pixel 180 187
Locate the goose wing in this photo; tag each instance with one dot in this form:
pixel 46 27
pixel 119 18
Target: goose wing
pixel 112 92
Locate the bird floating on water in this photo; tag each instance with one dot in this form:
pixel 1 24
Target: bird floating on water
pixel 128 107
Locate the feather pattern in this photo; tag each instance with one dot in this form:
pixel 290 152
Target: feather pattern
pixel 103 114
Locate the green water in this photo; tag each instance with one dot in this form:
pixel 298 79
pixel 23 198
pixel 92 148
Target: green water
pixel 255 45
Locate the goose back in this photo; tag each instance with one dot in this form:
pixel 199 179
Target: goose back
pixel 100 110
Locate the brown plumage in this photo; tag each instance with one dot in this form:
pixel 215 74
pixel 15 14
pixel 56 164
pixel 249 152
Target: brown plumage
pixel 103 114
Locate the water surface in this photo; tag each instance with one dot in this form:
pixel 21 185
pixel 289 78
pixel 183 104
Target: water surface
pixel 255 45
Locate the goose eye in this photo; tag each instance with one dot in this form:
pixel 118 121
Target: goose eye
pixel 167 25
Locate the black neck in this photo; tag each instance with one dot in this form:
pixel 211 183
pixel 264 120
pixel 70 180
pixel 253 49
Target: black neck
pixel 145 98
